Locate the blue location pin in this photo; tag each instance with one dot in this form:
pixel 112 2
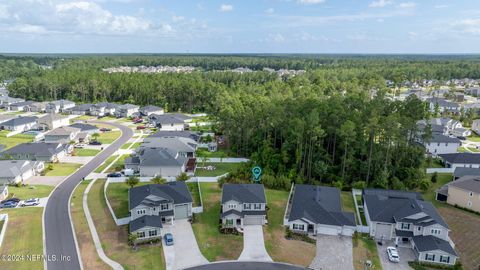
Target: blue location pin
pixel 257 171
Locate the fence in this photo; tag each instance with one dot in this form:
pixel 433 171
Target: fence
pixel 4 218
pixel 440 170
pixel 118 221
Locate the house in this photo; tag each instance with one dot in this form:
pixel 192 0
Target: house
pixel 22 106
pixel 5 101
pixel 17 171
pixel 64 135
pixel 461 132
pixel 103 108
pixel 473 92
pixel 151 162
pixel 126 110
pixel 407 220
pixel 318 210
pixel 180 133
pixel 169 122
pixel 441 144
pixel 152 206
pixel 81 109
pixel 49 152
pixel 185 147
pixel 6 117
pixel 443 105
pixel 463 192
pixel 150 109
pixel 20 124
pixel 476 126
pixel 38 106
pixel 243 204
pixel 86 128
pixel 52 121
pixel 59 106
pixel 454 160
pixel 462 171
pixel 442 125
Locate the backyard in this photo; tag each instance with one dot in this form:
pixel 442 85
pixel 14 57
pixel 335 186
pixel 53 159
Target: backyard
pixel 117 195
pixel 13 140
pixel 220 168
pixel 61 169
pixel 30 191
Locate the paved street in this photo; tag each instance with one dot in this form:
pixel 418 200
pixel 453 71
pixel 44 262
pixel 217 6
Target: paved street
pixel 59 238
pixel 333 253
pixel 253 244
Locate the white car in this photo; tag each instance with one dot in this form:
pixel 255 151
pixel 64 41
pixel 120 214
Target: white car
pixel 79 145
pixel 31 202
pixel 392 253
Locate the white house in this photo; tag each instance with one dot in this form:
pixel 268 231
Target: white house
pixel 467 160
pixel 18 171
pixel 461 132
pixel 20 124
pixel 441 144
pixel 52 121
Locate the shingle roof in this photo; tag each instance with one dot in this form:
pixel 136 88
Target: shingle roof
pixel 167 118
pixel 185 134
pixel 151 108
pixel 431 243
pixel 22 120
pixel 463 158
pixel 178 144
pixel 39 149
pixel 13 168
pixel 52 117
pixel 84 127
pixel 440 138
pixel 319 204
pixel 155 194
pixel 62 131
pixel 145 221
pixel 463 171
pixel 160 157
pixel 469 183
pixel 243 193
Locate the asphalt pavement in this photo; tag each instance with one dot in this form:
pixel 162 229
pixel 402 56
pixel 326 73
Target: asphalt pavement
pixel 60 248
pixel 247 266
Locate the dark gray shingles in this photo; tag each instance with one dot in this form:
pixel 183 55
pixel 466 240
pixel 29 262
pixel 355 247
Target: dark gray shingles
pixel 431 243
pixel 177 192
pixel 145 221
pixel 243 193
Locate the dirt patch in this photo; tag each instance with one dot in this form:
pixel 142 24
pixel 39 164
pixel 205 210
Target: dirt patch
pixel 289 251
pixel 464 234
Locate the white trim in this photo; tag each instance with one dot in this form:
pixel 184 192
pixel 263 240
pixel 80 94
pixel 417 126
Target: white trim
pixel 3 217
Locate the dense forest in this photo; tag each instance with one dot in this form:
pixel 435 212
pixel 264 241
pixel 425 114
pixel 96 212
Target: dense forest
pixel 324 126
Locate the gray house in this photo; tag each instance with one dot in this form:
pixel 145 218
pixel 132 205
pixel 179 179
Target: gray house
pixel 49 152
pixel 152 206
pixel 20 106
pixel 20 124
pixel 151 162
pixel 243 204
pixel 318 210
pixel 17 171
pixel 467 160
pixel 180 133
pixel 126 110
pixel 151 109
pixel 80 109
pixel 64 135
pixel 59 106
pixel 85 128
pixel 185 147
pixel 169 122
pixel 404 218
pixel 103 108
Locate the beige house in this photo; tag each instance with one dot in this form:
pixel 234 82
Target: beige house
pixel 52 121
pixel 465 192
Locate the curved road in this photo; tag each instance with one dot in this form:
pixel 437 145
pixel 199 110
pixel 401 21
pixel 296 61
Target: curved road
pixel 59 239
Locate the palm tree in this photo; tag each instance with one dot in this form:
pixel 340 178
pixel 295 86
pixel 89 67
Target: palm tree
pixel 159 180
pixel 95 136
pixel 132 181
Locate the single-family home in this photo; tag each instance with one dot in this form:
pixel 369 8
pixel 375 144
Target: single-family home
pixel 176 133
pixel 151 162
pixel 407 220
pixel 17 171
pixel 59 106
pixel 152 206
pixel 442 144
pixel 454 160
pixel 472 91
pixel 243 204
pixel 49 152
pixel 126 110
pixel 85 128
pixel 63 135
pixel 5 101
pixel 52 121
pixel 463 192
pixel 80 109
pixel 318 210
pixel 38 106
pixel 169 122
pixel 22 106
pixel 6 117
pixel 461 132
pixel 151 109
pixel 462 171
pixel 443 105
pixel 20 124
pixel 103 109
pixel 476 126
pixel 185 147
pixel 3 192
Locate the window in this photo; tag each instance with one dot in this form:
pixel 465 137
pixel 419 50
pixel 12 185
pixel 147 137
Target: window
pixel 141 211
pixel 438 144
pixel 435 231
pixel 257 206
pixel 471 194
pixel 299 227
pixel 232 206
pixel 469 204
pixel 140 234
pixel 444 259
pixel 429 257
pixel 229 222
pixel 164 206
pixel 405 226
pixel 152 233
pixel 247 206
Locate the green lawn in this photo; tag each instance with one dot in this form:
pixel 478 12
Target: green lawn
pixel 23 237
pixel 82 118
pixel 214 245
pixel 278 247
pixel 117 195
pixel 114 238
pixel 219 153
pixel 131 145
pixel 347 201
pixel 474 138
pixel 86 152
pixel 105 164
pixel 61 169
pixel 30 191
pixel 14 140
pixel 443 178
pixel 108 137
pixel 365 248
pixel 221 168
pixel 118 165
pixel 193 187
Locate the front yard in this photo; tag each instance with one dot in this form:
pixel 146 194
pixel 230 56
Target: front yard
pixel 278 247
pixel 220 168
pixel 85 152
pixel 365 248
pixel 30 191
pixel 60 169
pixel 23 237
pixel 108 137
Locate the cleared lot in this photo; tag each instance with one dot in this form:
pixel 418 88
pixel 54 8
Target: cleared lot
pixel 333 253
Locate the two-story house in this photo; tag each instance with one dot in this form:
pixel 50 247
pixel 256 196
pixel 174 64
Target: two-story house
pixel 169 122
pixel 52 121
pixel 243 204
pixel 153 206
pixel 59 106
pixel 126 110
pixel 151 109
pixel 103 108
pixel 406 219
pixel 442 144
pixel 463 192
pixel 184 146
pixel 151 162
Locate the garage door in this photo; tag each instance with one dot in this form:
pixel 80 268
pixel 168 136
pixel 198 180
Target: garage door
pixel 383 231
pixel 181 211
pixel 253 220
pixel 327 230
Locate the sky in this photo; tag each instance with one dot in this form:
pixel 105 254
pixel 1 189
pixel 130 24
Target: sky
pixel 247 26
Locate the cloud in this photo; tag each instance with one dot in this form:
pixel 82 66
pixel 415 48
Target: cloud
pixel 177 18
pixel 310 2
pixel 380 3
pixel 270 11
pixel 407 5
pixel 413 35
pixel 4 12
pixel 226 8
pixel 468 26
pixel 440 6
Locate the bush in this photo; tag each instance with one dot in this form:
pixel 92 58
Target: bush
pixel 427 266
pixel 434 177
pixel 289 234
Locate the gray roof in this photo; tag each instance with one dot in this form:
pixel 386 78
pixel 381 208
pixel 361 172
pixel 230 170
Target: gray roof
pixel 81 107
pixel 243 193
pixel 145 221
pixel 469 183
pixel 462 158
pixel 440 138
pixel 155 194
pixel 128 106
pixel 395 206
pixel 63 131
pixel 151 108
pixel 168 118
pixel 6 117
pixel 431 243
pixel 84 127
pixel 242 214
pixel 160 157
pixel 177 144
pixel 442 102
pixel 185 134
pixel 38 149
pixel 13 168
pixel 105 105
pixel 22 103
pixel 319 204
pixel 52 117
pixel 463 171
pixel 22 120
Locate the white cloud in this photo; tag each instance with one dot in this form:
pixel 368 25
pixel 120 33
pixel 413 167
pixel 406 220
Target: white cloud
pixel 468 26
pixel 413 35
pixel 29 29
pixel 226 8
pixel 310 2
pixel 380 3
pixel 270 11
pixel 407 5
pixel 167 28
pixel 276 37
pixel 440 6
pixel 178 18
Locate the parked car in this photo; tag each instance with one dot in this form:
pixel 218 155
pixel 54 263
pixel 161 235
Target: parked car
pixel 114 174
pixel 392 253
pixel 95 143
pixel 105 129
pixel 141 127
pixel 137 121
pixel 79 146
pixel 168 239
pixel 17 200
pixel 461 138
pixel 9 204
pixel 30 202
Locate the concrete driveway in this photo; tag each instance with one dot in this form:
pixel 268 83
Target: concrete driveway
pixel 45 180
pixel 333 253
pixel 253 245
pixel 185 252
pixel 406 255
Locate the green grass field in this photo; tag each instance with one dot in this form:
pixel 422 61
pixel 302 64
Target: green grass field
pixel 61 169
pixel 13 140
pixel 30 191
pixel 221 168
pixel 443 178
pixel 131 145
pixel 108 137
pixel 86 152
pixel 105 164
pixel 193 187
pixel 23 237
pixel 118 165
pixel 347 201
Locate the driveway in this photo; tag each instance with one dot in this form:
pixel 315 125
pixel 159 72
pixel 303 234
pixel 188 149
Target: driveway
pixel 75 159
pixel 45 180
pixel 333 253
pixel 406 255
pixel 253 245
pixel 185 252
